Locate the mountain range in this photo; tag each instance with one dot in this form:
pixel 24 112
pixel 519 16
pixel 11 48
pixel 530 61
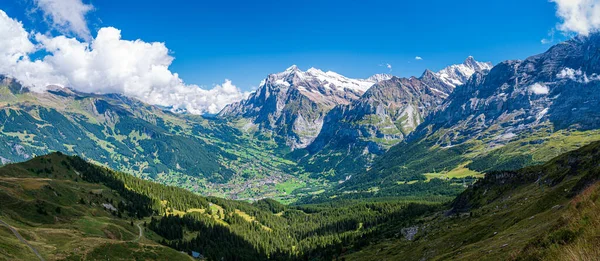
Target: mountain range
pixel 517 114
pixel 303 133
pixel 336 125
pixel 199 154
pixel 475 161
pixel 292 104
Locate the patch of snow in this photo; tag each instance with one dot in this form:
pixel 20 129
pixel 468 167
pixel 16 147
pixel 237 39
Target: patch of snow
pixel 282 82
pixel 539 89
pixel 438 91
pixel 541 114
pixel 328 80
pixel 458 74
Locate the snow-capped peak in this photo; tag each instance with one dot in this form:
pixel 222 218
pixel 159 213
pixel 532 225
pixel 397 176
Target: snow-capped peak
pixel 292 68
pixel 458 74
pixel 315 80
pixel 380 77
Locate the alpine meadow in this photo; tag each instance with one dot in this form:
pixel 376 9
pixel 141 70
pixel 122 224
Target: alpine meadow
pixel 400 130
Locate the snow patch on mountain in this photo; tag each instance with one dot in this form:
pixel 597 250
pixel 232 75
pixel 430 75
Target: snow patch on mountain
pixel 328 80
pixel 458 74
pixel 300 100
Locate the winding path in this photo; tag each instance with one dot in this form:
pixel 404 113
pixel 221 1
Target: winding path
pixel 22 239
pixel 141 232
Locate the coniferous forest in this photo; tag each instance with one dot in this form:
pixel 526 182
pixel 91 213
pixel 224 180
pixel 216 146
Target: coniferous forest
pixel 296 130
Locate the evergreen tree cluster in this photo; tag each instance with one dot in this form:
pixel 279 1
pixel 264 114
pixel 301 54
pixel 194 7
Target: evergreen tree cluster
pixel 222 229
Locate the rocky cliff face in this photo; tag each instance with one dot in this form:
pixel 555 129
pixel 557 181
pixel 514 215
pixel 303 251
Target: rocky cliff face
pixel 354 133
pixel 293 103
pixel 459 74
pixel 520 113
pixel 559 88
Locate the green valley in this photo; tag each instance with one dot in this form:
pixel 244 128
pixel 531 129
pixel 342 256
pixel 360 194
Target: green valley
pixel 204 155
pixel 68 209
pixel 112 149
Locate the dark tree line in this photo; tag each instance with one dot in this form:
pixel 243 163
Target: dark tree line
pixel 259 231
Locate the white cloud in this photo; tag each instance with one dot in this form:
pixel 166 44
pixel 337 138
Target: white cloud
pixel 418 58
pixel 386 65
pixel 14 43
pixel 108 64
pixel 569 73
pixel 579 16
pixel 577 75
pixel 67 15
pixel 539 88
pixel 550 38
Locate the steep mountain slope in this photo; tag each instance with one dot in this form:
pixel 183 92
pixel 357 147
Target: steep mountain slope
pixel 202 155
pixel 293 103
pixel 68 214
pixel 459 74
pixel 520 113
pixel 545 212
pixel 67 208
pixel 354 133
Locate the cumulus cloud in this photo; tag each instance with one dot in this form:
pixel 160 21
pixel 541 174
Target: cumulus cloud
pixel 107 64
pixel 418 58
pixel 578 16
pixel 14 43
pixel 67 15
pixel 539 88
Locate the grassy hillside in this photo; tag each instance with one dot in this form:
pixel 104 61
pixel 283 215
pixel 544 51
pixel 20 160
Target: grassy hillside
pixel 409 169
pixel 67 208
pixel 203 155
pixel 63 218
pixel 545 212
pixel 494 122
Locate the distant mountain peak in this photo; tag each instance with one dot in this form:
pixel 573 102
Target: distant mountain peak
pixel 380 77
pixel 294 102
pixel 12 84
pixel 428 72
pixel 458 74
pixel 470 61
pixel 292 68
pixel 315 70
pixel 316 81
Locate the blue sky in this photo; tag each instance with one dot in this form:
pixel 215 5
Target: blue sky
pixel 245 40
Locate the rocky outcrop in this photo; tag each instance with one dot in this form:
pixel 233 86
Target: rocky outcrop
pixel 499 120
pixel 293 103
pixel 383 117
pixel 559 88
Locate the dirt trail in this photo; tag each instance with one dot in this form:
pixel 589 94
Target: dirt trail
pixel 141 232
pixel 22 239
